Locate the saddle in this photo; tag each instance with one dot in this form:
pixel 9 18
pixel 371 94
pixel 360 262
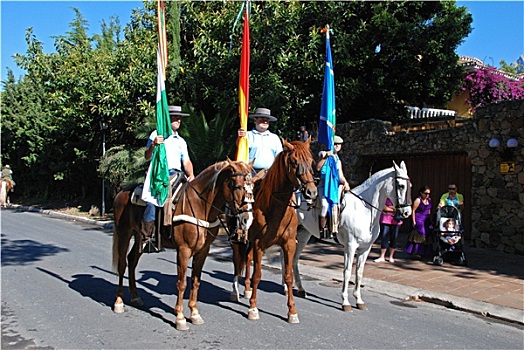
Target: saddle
pixel 178 182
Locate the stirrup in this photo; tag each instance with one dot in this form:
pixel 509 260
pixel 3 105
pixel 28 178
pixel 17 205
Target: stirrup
pixel 149 247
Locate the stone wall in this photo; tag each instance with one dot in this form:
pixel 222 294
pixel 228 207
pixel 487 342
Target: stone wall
pixel 497 212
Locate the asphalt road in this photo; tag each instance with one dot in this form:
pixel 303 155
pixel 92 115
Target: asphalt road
pixel 58 290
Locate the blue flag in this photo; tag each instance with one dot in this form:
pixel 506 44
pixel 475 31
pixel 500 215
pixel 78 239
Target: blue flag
pixel 328 120
pixel 326 129
pixel 331 182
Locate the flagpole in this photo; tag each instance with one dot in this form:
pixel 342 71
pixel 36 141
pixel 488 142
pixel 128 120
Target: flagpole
pixel 243 87
pixel 327 122
pixel 327 127
pixel 158 172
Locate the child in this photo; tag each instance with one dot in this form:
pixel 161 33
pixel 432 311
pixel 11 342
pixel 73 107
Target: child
pixel 449 233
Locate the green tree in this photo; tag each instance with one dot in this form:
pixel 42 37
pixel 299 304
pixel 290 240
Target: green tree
pixel 386 55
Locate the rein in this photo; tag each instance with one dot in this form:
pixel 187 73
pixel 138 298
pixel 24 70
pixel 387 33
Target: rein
pixel 397 206
pixel 203 223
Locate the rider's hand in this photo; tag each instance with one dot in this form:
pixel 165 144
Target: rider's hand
pixel 158 140
pixel 241 132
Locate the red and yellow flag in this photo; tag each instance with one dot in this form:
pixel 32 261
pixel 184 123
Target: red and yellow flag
pixel 243 89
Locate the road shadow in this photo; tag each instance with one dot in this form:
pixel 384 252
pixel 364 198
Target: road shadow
pixel 25 251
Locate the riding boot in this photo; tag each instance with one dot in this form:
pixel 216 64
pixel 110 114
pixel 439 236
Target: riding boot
pixel 146 246
pixel 322 226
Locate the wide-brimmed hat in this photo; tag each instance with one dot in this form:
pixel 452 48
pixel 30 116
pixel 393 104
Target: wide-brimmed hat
pixel 338 139
pixel 176 110
pixel 263 113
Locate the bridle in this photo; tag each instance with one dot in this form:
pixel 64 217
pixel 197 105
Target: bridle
pixel 407 199
pixel 300 184
pixel 235 211
pixel 247 197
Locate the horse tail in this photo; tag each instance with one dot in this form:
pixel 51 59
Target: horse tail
pixel 118 208
pixel 116 255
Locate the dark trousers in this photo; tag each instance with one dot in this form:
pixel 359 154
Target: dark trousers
pixel 388 235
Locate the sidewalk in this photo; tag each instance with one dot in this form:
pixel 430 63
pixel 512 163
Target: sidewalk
pixel 492 285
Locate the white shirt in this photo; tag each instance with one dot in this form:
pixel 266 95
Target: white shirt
pixel 176 149
pixel 263 147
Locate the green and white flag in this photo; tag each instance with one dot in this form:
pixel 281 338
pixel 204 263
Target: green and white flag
pixel 156 185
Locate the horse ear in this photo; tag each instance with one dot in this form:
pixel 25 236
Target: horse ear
pixel 308 141
pixel 402 165
pixel 287 145
pixel 395 166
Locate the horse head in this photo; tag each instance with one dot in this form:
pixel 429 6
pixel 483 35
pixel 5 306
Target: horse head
pixel 402 190
pixel 300 168
pixel 239 195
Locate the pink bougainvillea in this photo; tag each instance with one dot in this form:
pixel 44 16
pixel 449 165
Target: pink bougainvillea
pixel 487 85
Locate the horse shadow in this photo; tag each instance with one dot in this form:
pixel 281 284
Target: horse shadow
pixel 209 293
pixel 102 292
pixel 164 284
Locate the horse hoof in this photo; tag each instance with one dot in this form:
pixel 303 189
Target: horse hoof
pixel 253 314
pixel 181 325
pixel 248 294
pixel 293 319
pixel 137 302
pixel 234 297
pixel 197 319
pixel 362 307
pixel 347 308
pixel 118 308
pixel 301 294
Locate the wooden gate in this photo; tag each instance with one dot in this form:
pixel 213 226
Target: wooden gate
pixel 436 171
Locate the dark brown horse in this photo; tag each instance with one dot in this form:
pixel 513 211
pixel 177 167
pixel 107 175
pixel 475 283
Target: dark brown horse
pixel 275 220
pixel 195 225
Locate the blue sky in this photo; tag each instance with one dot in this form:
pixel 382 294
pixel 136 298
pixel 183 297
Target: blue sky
pixel 498 28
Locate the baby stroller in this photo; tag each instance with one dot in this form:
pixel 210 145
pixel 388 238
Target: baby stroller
pixel 449 236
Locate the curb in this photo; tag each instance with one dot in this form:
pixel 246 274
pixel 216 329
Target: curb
pixel 398 291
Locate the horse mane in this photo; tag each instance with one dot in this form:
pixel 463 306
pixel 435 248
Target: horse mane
pixel 209 176
pixel 372 179
pixel 275 174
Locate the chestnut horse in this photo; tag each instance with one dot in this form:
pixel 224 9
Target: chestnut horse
pixel 275 220
pixel 195 225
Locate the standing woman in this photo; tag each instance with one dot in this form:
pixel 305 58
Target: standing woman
pixel 419 241
pixel 388 231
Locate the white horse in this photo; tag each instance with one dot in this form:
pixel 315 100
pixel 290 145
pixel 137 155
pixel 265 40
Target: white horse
pixel 359 224
pixel 6 187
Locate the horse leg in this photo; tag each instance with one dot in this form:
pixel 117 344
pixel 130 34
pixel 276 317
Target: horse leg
pixel 183 255
pixel 349 253
pixel 239 262
pixel 119 264
pixel 257 275
pixel 132 259
pixel 303 236
pixel 289 249
pixel 248 292
pixel 196 274
pixel 359 274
